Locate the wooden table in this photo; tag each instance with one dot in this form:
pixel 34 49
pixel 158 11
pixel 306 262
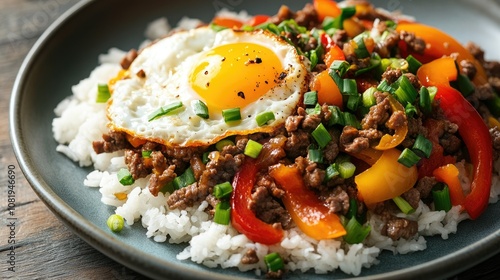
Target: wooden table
pixel 45 247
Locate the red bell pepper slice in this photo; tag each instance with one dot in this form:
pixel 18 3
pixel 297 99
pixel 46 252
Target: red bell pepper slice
pixel 243 218
pixel 473 131
pixel 258 19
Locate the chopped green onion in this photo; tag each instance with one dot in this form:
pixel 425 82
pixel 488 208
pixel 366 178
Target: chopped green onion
pixel 351 120
pixel 422 146
pixel 340 67
pixel 403 205
pixel 314 111
pixel 346 169
pixel 374 64
pixel 432 92
pixel 222 214
pixel 337 116
pixel 464 85
pixel 406 93
pixel 399 63
pixel 410 110
pixel 441 196
pixel 368 97
pixel 231 115
pixel 253 148
pixel 313 57
pixel 216 27
pixel 413 64
pixel 331 172
pixel 355 232
pixel 353 102
pixel 200 109
pixel 115 223
pixel 425 101
pixel 345 13
pixel 222 190
pixel 187 178
pixel 315 155
pixel 167 109
pixel 146 154
pixel 408 158
pixel 205 159
pixel 493 105
pixel 222 143
pixel 353 208
pixel 264 117
pixel 310 98
pixel 103 93
pixel 125 177
pixel 361 51
pixel 321 135
pixel 385 87
pixel 274 262
pixel 349 87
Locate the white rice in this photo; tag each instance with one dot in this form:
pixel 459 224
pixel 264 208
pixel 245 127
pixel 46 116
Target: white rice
pixel 80 121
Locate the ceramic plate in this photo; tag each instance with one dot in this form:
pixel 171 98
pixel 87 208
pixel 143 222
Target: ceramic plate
pixel 68 51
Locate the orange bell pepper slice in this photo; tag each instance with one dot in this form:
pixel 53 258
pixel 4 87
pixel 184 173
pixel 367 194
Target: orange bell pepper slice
pixel 326 8
pixel 304 206
pixel 327 89
pixel 438 72
pixel 385 179
pixel 441 44
pixel 448 174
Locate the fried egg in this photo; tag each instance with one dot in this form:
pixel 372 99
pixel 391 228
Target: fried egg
pixel 254 71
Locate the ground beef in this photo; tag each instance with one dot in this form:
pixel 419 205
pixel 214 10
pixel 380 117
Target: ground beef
pixel 337 200
pixel 267 209
pixel 378 113
pixel 425 185
pixel 391 75
pixel 250 257
pixel 340 37
pixel 135 163
pixel 307 17
pixel 310 122
pixel 332 149
pixel 198 166
pixel 414 43
pixel 351 142
pixel 397 228
pixel 297 143
pixel 112 142
pixel 220 170
pixel 413 80
pixel 412 196
pixel 128 59
pixel 293 123
pixel 495 137
pixel 397 120
pixel 187 196
pixel 312 174
pixel 468 68
pixel 157 182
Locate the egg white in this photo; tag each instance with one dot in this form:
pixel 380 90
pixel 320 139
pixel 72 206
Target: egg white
pixel 167 65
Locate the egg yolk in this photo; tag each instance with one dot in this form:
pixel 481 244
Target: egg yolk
pixel 235 75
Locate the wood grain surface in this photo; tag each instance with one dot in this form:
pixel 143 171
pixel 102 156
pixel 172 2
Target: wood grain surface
pixel 45 248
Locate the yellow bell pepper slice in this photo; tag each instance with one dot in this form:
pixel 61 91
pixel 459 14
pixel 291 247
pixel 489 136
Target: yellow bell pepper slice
pixel 385 179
